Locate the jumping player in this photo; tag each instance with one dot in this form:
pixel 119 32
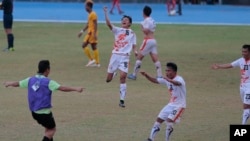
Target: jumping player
pixel 149 45
pixel 125 42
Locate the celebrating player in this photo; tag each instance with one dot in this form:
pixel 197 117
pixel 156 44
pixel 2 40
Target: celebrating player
pixel 125 42
pixel 40 89
pixel 91 36
pixel 7 7
pixel 173 110
pixel 244 64
pixel 149 45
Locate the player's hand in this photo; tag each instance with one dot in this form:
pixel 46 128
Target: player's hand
pixel 79 89
pixel 215 66
pixel 6 84
pixel 105 9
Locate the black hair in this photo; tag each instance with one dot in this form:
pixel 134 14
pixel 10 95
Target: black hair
pixel 147 10
pixel 129 18
pixel 43 66
pixel 89 4
pixel 246 47
pixel 172 65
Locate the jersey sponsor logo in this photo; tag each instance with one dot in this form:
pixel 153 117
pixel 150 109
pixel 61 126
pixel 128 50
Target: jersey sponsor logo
pixel 120 42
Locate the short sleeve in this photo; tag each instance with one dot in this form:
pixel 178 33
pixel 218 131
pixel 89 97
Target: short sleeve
pixel 24 83
pixel 236 63
pixel 115 29
pixel 161 80
pixel 53 85
pixel 93 17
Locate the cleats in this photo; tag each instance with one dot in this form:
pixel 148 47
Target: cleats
pixel 11 49
pixel 91 62
pixel 8 49
pixel 132 77
pixel 121 104
pixel 95 65
pixel 149 139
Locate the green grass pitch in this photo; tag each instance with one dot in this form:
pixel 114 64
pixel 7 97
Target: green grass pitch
pixel 213 101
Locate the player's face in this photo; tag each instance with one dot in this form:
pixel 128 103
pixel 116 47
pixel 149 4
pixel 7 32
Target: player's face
pixel 87 8
pixel 170 73
pixel 245 53
pixel 125 23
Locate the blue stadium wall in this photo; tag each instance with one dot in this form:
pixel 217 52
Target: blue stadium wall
pixel 229 2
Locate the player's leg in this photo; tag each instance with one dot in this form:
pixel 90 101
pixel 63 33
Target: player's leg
pixel 246 113
pixel 112 67
pixel 162 116
pixel 245 94
pixel 118 7
pixel 155 59
pixel 7 22
pixel 172 118
pixel 144 50
pixel 168 4
pixel 48 122
pixel 113 6
pixel 86 50
pixel 123 67
pixel 179 7
pixel 96 54
pixel 123 88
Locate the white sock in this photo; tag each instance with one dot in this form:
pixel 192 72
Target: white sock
pixel 137 67
pixel 245 116
pixel 158 68
pixel 155 129
pixel 123 91
pixel 169 130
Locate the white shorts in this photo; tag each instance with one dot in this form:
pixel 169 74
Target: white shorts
pixel 172 112
pixel 118 61
pixel 245 93
pixel 148 46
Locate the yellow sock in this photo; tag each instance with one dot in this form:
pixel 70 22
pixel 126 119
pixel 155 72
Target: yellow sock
pixel 87 52
pixel 96 56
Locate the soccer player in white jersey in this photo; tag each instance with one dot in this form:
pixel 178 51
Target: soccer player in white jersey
pixel 149 45
pixel 244 64
pixel 125 42
pixel 174 109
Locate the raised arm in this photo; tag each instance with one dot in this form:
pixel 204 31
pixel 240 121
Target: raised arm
pixel 152 79
pixel 105 9
pixel 221 66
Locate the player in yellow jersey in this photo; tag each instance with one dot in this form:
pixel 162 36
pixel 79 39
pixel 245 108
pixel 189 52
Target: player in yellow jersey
pixel 91 36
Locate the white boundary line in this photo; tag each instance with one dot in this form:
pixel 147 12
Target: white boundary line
pixel 84 21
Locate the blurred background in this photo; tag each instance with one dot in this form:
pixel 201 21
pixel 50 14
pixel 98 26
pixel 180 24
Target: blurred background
pixel 210 2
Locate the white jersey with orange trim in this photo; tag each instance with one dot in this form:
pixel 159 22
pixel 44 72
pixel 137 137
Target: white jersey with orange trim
pixel 124 40
pixel 244 69
pixel 149 23
pixel 177 93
